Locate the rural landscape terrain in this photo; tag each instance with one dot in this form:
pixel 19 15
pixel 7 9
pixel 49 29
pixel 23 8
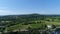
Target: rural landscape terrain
pixel 29 24
pixel 29 16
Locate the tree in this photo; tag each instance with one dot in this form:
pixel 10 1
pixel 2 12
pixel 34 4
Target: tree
pixel 53 26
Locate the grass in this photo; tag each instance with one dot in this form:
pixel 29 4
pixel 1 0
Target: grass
pixel 55 23
pixel 20 26
pixel 38 25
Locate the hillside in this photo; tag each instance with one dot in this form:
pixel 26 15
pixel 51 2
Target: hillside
pixel 14 22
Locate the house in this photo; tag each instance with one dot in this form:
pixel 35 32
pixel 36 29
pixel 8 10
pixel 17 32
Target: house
pixel 49 26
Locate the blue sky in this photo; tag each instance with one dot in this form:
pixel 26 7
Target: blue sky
pixel 11 7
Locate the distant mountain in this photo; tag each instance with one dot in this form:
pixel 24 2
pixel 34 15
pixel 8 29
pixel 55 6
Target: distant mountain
pixel 28 16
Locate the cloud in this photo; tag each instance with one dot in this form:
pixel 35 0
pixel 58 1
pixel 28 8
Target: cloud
pixel 6 12
pixel 13 12
pixel 16 12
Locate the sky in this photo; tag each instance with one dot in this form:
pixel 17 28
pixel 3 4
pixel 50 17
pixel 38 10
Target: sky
pixel 15 7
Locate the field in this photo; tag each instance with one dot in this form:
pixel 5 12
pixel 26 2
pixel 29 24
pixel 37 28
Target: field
pixel 28 22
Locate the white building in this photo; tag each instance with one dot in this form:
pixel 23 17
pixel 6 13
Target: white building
pixel 49 26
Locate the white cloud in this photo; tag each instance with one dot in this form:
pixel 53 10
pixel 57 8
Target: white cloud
pixel 6 12
pixel 13 12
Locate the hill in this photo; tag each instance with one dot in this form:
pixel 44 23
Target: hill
pixel 13 22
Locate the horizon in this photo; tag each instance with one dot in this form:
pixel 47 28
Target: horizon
pixel 19 7
pixel 31 14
